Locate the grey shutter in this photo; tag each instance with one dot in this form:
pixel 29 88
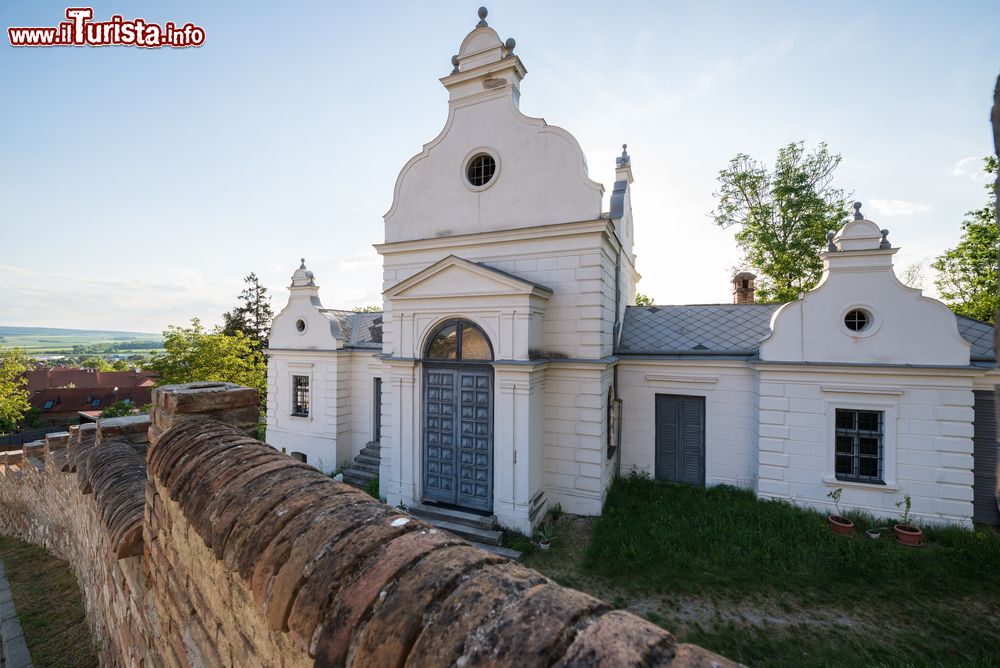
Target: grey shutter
pixel 667 437
pixel 693 440
pixel 680 439
pixel 984 453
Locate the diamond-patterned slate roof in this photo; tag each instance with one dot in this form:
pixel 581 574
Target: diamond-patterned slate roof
pixel 720 329
pixel 734 329
pixel 980 335
pixel 358 329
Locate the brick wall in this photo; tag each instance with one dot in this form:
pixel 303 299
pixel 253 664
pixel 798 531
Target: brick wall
pixel 217 550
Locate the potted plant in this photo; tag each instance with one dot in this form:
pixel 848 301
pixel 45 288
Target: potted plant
pixel 906 533
pixel 839 523
pixel 544 536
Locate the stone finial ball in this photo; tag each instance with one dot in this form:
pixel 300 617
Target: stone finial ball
pixel 483 12
pixel 830 235
pixel 454 61
pixel 510 44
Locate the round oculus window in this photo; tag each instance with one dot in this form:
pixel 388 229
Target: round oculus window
pixel 857 320
pixel 300 326
pixel 481 169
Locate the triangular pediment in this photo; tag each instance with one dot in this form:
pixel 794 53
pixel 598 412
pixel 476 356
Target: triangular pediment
pixel 454 276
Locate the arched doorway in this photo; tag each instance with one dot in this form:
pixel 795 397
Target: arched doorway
pixel 458 416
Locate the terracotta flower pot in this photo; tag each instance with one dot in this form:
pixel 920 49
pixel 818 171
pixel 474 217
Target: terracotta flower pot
pixel 909 535
pixel 841 525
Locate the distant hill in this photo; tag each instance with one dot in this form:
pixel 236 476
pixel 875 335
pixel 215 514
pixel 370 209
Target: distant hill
pixel 43 341
pixel 86 333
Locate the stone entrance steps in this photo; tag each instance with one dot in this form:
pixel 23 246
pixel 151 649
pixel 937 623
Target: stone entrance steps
pixel 364 469
pixel 479 530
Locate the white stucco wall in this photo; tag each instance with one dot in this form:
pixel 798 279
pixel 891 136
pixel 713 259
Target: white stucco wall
pixel 927 443
pixel 729 388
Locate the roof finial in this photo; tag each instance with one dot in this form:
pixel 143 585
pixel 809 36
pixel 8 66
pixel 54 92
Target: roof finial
pixel 857 211
pixel 303 265
pixel 510 44
pixel 454 62
pixel 482 17
pixel 624 159
pixel 884 244
pixel 830 246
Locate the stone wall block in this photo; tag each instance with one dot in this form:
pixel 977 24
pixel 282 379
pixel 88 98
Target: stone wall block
pixel 321 558
pixel 355 599
pixel 615 639
pixel 389 635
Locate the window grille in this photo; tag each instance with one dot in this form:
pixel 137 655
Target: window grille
pixel 481 169
pixel 300 396
pixel 859 445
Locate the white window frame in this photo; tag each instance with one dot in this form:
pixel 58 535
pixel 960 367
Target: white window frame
pixel 890 413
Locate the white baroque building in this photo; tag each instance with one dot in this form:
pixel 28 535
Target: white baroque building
pixel 509 370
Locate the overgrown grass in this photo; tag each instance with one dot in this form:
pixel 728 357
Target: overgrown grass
pixel 725 540
pixel 767 583
pixel 49 605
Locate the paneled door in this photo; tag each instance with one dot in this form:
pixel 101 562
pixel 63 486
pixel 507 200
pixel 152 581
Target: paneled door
pixel 458 436
pixel 680 438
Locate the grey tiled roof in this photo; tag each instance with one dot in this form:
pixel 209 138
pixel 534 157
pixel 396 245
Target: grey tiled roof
pixel 714 329
pixel 734 329
pixel 357 329
pixel 366 330
pixel 980 335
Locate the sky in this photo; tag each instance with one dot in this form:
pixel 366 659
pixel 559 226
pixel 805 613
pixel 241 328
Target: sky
pixel 139 186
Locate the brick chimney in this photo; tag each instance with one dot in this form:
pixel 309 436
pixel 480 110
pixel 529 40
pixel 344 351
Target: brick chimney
pixel 743 287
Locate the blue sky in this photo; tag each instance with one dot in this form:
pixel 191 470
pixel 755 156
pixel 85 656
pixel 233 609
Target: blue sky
pixel 138 187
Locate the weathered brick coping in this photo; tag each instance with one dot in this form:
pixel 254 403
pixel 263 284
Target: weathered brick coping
pixel 226 552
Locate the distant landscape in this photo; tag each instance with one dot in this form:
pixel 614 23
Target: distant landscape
pixel 53 343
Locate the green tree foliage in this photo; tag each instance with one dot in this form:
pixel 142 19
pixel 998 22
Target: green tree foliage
pixel 118 409
pixel 121 365
pixel 253 315
pixel 643 300
pixel 371 308
pixel 192 354
pixel 96 363
pixel 14 364
pixel 783 216
pixel 967 274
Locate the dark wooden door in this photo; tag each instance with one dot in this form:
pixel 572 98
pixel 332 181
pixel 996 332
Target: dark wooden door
pixel 680 438
pixel 458 436
pixel 984 454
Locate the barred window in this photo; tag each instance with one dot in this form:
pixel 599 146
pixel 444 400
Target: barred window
pixel 481 169
pixel 860 444
pixel 300 396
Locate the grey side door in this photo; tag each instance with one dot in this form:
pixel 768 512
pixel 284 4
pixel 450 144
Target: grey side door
pixel 680 438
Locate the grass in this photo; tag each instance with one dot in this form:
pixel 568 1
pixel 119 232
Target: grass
pixel 49 605
pixel 767 583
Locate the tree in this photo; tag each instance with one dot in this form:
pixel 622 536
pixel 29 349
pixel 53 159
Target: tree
pixel 783 216
pixel 253 315
pixel 913 275
pixel 368 309
pixel 14 365
pixel 96 363
pixel 121 365
pixel 118 409
pixel 191 354
pixel 967 274
pixel 643 300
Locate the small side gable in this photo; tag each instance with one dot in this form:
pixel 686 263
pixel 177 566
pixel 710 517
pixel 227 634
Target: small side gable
pixel 455 276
